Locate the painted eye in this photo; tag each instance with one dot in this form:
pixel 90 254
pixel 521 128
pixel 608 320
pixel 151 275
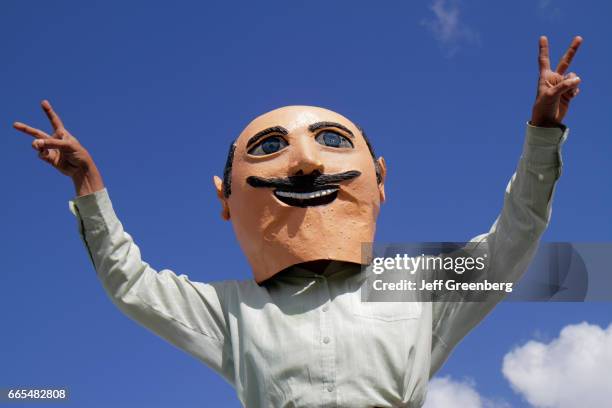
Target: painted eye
pixel 333 139
pixel 268 146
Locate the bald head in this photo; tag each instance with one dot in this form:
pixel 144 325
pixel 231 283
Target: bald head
pixel 295 116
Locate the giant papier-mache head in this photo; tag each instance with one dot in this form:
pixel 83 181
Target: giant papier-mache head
pixel 301 184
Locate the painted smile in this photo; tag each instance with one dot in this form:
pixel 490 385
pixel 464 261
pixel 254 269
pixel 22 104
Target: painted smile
pixel 318 196
pixel 305 191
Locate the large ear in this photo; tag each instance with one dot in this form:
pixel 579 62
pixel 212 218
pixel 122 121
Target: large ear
pixel 382 166
pixel 225 214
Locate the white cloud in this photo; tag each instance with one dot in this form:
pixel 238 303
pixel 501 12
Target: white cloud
pixel 573 370
pixel 444 392
pixel 448 28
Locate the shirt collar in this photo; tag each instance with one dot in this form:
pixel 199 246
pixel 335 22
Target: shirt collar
pixel 334 269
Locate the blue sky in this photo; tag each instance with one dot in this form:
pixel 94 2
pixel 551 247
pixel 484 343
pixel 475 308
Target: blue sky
pixel 156 93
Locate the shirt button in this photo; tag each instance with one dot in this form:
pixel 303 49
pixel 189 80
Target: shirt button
pixel 325 308
pixel 325 339
pixel 330 388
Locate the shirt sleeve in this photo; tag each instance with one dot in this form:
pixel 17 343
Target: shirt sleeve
pixel 187 314
pixel 513 239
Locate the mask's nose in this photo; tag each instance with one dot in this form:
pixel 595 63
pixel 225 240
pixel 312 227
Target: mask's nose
pixel 305 159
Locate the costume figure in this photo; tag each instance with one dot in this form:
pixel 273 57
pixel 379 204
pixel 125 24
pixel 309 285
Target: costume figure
pixel 303 189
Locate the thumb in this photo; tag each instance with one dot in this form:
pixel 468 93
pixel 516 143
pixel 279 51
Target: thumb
pixel 48 156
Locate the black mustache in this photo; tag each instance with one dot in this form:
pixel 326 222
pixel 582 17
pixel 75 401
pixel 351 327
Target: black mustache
pixel 309 181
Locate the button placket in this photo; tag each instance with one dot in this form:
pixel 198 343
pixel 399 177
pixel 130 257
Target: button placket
pixel 328 350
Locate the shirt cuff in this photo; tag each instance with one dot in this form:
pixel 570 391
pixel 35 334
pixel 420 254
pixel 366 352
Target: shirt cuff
pixel 93 209
pixel 543 144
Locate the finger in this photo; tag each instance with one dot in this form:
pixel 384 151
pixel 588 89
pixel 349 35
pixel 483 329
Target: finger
pixel 566 60
pixel 37 133
pixel 565 101
pixel 48 155
pixel 571 75
pixel 52 143
pixel 571 94
pixel 543 58
pixel 565 85
pixel 56 122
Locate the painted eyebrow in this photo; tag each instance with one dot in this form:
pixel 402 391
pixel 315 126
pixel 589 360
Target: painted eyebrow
pixel 320 125
pixel 265 132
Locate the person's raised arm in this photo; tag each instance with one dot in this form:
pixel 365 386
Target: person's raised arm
pixel 513 239
pixel 187 314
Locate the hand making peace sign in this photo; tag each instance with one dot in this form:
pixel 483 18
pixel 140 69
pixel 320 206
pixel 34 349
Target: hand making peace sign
pixel 555 90
pixel 64 152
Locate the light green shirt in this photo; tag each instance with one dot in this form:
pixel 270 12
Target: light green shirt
pixel 307 340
